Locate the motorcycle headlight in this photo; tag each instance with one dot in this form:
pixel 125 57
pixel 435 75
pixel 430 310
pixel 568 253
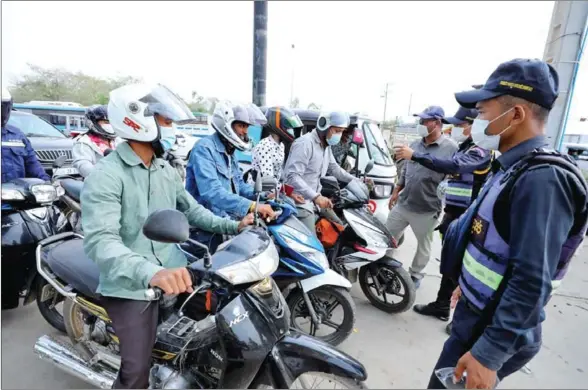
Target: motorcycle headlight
pixel 44 193
pixel 382 191
pixel 254 269
pixel 11 194
pixel 379 240
pixel 310 253
pixel 264 287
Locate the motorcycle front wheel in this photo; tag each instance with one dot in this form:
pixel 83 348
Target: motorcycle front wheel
pixel 334 307
pixel 321 380
pixel 391 281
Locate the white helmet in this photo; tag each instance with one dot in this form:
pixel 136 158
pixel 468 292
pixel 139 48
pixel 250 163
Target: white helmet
pixel 132 109
pixel 334 118
pixel 225 114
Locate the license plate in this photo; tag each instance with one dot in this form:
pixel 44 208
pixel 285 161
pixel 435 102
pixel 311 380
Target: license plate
pixel 65 171
pixel 47 293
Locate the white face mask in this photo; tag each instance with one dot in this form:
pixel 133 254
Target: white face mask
pixel 458 135
pixel 107 128
pixel 423 130
pixel 483 140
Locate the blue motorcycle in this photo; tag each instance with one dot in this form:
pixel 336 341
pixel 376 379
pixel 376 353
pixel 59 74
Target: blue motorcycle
pixel 318 297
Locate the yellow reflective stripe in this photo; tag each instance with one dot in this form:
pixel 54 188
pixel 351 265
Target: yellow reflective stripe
pixel 482 171
pixel 458 191
pixel 555 284
pixel 481 272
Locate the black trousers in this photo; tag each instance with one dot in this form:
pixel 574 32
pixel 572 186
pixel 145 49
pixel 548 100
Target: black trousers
pixel 136 330
pixel 447 285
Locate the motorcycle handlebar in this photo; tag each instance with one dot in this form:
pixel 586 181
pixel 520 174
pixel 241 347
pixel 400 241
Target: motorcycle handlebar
pixel 153 294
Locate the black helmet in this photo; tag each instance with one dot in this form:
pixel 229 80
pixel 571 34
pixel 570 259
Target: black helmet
pixel 97 113
pixel 6 106
pixel 283 122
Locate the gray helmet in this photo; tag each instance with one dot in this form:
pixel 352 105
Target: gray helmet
pixel 334 118
pixel 225 114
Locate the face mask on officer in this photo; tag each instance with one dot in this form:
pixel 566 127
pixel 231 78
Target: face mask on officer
pixel 486 141
pixel 458 133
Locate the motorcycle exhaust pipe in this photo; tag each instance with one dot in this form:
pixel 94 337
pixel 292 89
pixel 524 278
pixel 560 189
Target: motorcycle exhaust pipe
pixel 67 360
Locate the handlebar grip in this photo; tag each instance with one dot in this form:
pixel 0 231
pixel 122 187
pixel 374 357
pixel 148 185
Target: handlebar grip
pixel 153 294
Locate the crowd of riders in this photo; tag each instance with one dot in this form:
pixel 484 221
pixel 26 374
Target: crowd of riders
pixel 495 158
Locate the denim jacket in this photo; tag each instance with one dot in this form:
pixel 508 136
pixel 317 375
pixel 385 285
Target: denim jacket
pixel 209 174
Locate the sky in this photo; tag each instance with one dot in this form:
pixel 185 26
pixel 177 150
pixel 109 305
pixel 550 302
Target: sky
pixel 345 52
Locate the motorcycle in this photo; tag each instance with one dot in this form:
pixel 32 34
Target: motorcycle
pixel 362 246
pixel 313 291
pixel 245 342
pixel 28 217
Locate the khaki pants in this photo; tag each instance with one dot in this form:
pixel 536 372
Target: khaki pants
pixel 423 226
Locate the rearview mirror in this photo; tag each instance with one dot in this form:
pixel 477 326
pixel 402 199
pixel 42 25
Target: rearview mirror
pixel 369 166
pixel 59 161
pixel 268 183
pixel 168 226
pixel 357 138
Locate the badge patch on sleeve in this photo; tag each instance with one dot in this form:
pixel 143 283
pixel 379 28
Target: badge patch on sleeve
pixel 479 230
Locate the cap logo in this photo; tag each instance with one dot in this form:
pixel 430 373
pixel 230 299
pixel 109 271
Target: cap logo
pixel 515 85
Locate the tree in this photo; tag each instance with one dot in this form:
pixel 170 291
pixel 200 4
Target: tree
pixel 58 84
pixel 295 103
pixel 202 104
pixel 314 106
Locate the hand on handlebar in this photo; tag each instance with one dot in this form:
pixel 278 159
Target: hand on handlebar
pixel 299 199
pixel 265 211
pixel 173 281
pixel 323 202
pixel 247 221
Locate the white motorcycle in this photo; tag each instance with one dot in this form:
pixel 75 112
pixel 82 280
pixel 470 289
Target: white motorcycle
pixel 361 249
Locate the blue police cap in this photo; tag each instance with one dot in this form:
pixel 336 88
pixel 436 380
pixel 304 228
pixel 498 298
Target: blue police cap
pixel 533 80
pixel 462 115
pixel 431 112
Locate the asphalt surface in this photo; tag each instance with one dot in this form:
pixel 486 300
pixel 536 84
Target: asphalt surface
pixel 399 351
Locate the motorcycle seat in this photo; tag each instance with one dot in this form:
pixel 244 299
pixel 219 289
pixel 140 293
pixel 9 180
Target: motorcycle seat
pixel 73 188
pixel 68 261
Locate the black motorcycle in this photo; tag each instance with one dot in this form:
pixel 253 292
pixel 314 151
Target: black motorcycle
pixel 28 217
pixel 241 340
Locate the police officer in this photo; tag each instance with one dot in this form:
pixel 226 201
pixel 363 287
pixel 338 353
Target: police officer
pixel 514 243
pixel 18 157
pixel 468 169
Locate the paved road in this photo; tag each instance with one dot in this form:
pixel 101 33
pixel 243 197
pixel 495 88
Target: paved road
pixel 398 350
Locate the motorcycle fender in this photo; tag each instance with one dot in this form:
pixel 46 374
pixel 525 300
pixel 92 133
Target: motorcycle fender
pixel 390 261
pixel 297 353
pixel 329 277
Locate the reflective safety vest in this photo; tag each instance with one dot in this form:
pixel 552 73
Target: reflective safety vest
pixel 487 254
pixel 460 187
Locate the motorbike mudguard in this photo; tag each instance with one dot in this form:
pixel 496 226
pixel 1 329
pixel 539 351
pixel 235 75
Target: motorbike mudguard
pixel 390 261
pixel 297 353
pixel 329 277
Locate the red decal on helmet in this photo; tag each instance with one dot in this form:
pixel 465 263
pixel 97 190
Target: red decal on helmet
pixel 372 206
pixel 127 121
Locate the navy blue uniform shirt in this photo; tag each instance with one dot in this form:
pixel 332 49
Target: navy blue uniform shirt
pixel 18 157
pixel 462 161
pixel 543 203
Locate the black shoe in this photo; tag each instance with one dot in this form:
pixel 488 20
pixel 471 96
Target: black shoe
pixel 448 328
pixel 433 309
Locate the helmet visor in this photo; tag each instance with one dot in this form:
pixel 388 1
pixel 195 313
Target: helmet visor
pixel 164 102
pixel 293 122
pixel 249 114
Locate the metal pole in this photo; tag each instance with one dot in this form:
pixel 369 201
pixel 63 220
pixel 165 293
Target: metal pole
pixel 409 103
pixel 385 103
pixel 292 77
pixel 259 51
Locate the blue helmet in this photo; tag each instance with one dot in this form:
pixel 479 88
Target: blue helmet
pixel 97 113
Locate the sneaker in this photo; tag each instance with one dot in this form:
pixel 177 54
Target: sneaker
pixel 416 282
pixel 448 328
pixel 433 309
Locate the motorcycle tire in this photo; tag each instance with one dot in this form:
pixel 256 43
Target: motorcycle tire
pixel 347 383
pixel 403 278
pixel 342 296
pixel 50 314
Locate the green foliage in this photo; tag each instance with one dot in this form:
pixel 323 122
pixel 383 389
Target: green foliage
pixel 58 84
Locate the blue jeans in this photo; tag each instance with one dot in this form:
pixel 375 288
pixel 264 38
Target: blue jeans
pixel 455 347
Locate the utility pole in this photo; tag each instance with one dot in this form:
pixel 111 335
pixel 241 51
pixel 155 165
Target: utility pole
pixel 409 103
pixel 292 76
pixel 385 96
pixel 259 51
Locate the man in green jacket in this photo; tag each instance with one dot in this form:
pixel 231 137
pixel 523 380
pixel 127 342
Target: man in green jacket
pixel 118 196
